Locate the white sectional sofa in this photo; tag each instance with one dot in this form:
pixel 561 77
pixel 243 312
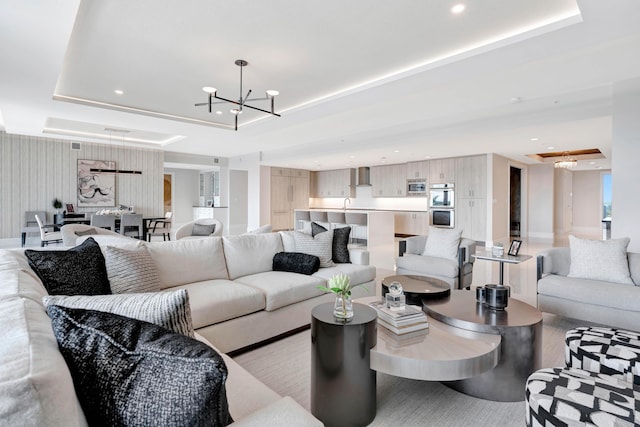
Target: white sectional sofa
pixel 236 300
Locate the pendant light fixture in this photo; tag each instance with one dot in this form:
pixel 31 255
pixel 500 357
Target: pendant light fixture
pixel 241 102
pixel 566 161
pixel 117 171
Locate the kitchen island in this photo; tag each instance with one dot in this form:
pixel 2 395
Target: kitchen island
pixel 371 229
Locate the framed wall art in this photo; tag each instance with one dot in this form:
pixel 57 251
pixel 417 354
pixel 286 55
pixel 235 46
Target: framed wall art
pixel 96 189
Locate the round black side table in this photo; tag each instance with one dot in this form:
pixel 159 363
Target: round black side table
pixel 343 386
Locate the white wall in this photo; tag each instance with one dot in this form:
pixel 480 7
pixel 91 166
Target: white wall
pixel 499 200
pixel 540 209
pixel 186 191
pixel 626 155
pixel 238 202
pixel 251 164
pixel 587 203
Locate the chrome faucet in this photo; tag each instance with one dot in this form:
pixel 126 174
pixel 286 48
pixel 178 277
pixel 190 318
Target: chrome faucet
pixel 344 203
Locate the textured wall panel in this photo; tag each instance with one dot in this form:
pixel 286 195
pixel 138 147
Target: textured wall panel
pixel 35 170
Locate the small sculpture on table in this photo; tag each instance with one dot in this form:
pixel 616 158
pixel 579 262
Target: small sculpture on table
pixel 395 299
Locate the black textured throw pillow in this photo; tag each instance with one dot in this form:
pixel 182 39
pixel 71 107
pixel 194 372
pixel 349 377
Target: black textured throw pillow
pixel 127 372
pixel 78 271
pixel 339 249
pixel 296 262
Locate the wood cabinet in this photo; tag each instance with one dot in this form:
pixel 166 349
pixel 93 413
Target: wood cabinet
pixel 471 217
pixel 442 170
pixel 389 181
pixel 418 170
pixel 471 177
pixel 471 195
pixel 289 191
pixel 412 223
pixel 333 183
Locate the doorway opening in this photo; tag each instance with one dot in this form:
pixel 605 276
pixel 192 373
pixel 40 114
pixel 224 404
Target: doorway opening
pixel 168 192
pixel 515 201
pixel 606 206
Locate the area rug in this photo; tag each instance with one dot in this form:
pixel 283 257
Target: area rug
pixel 285 365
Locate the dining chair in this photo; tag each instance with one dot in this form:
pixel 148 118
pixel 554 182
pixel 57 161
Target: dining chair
pixel 47 237
pixel 131 225
pixel 30 224
pixel 161 227
pixel 104 221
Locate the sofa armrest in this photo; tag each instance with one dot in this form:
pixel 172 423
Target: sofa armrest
pixel 553 261
pixel 359 256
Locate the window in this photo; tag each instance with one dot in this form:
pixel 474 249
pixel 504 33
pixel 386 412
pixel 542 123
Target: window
pixel 606 195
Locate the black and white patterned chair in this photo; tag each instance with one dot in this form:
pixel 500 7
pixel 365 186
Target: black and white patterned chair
pixel 608 351
pixel 574 397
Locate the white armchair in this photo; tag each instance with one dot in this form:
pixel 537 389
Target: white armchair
pixel 186 231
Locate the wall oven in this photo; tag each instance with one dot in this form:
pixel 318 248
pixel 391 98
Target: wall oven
pixel 442 218
pixel 416 187
pixel 441 196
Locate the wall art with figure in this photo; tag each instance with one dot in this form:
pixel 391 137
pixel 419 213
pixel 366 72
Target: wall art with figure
pixel 96 188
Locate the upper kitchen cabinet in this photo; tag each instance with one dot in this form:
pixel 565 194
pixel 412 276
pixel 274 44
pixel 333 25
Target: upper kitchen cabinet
pixel 471 177
pixel 418 170
pixel 333 183
pixel 442 170
pixel 389 181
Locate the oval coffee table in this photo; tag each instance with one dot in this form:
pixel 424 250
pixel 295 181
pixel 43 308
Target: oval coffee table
pixel 417 288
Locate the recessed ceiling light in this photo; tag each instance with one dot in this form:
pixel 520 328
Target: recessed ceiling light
pixel 551 147
pixel 218 112
pixel 396 151
pixel 427 157
pixel 459 8
pixel 118 92
pixel 592 163
pixel 534 139
pixel 352 157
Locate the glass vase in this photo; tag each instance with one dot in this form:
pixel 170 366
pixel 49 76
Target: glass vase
pixel 343 308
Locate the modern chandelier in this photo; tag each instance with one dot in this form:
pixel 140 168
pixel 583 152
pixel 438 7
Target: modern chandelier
pixel 241 102
pixel 566 161
pixel 116 171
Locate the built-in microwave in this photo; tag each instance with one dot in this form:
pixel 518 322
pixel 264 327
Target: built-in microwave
pixel 441 196
pixel 416 187
pixel 442 218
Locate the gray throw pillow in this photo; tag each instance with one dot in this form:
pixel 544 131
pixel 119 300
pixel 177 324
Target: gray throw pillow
pixel 88 232
pixel 170 309
pixel 320 246
pixel 442 243
pixel 339 246
pixel 202 229
pixel 604 260
pixel 78 271
pixel 127 372
pixel 131 270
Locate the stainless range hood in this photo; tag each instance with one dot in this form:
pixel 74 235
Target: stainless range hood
pixel 364 178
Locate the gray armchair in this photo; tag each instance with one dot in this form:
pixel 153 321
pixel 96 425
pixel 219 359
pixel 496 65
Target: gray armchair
pixel 458 273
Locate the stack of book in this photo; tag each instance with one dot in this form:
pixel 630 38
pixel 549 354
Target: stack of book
pixel 401 322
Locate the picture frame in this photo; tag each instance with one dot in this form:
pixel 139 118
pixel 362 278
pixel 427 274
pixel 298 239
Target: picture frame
pixel 70 208
pixel 515 247
pixel 96 187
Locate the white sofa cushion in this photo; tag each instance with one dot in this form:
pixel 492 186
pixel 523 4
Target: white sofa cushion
pixel 288 242
pixel 442 243
pixel 602 293
pixel 600 260
pixel 357 274
pixel 434 265
pixel 250 253
pixel 214 301
pixel 22 281
pixel 36 388
pixel 187 261
pixel 283 288
pixel 285 412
